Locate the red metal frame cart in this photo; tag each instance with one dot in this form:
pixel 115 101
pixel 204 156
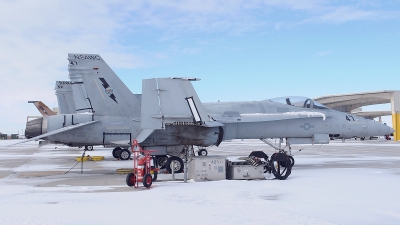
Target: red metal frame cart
pixel 141 167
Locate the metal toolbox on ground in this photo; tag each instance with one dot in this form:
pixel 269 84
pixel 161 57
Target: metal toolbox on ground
pixel 245 172
pixel 207 168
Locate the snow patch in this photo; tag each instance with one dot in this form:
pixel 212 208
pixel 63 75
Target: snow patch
pixel 303 113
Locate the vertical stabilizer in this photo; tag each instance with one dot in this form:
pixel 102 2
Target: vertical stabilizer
pixel 107 95
pixel 65 97
pixel 82 103
pixel 43 109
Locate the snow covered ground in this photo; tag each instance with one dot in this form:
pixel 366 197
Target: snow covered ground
pixel 341 183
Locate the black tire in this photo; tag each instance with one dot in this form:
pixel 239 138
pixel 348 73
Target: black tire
pixel 292 161
pixel 131 179
pixel 116 152
pixel 147 180
pixel 90 148
pixel 279 168
pixel 284 163
pixel 178 164
pixel 362 138
pixel 161 160
pixel 154 176
pixel 202 152
pixel 125 154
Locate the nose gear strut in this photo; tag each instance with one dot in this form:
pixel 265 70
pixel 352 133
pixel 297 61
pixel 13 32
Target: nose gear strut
pixel 280 164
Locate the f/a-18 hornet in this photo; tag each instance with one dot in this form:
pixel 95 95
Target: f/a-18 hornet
pixel 168 116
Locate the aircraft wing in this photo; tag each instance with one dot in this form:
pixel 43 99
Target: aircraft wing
pixel 172 101
pixel 56 132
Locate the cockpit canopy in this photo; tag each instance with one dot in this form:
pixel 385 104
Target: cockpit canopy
pixel 301 102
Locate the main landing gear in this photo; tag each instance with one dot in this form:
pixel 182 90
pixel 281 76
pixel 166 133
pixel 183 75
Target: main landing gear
pixel 169 163
pixel 121 153
pixel 174 163
pixel 89 148
pixel 202 152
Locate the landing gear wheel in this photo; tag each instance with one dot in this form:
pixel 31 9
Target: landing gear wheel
pixel 125 154
pixel 202 152
pixel 90 148
pixel 178 164
pixel 362 138
pixel 284 163
pixel 116 152
pixel 162 160
pixel 147 180
pixel 281 165
pixel 131 179
pixel 292 161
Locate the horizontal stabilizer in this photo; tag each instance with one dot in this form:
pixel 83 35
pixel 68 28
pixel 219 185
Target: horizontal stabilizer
pixel 56 132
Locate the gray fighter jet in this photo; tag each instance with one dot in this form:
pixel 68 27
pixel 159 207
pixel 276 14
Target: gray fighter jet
pixel 168 116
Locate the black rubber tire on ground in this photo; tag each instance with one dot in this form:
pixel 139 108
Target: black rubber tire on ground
pixel 90 148
pixel 282 163
pixel 202 152
pixel 130 179
pixel 362 138
pixel 292 160
pixel 279 172
pixel 125 154
pixel 116 152
pixel 155 176
pixel 178 164
pixel 161 160
pixel 147 180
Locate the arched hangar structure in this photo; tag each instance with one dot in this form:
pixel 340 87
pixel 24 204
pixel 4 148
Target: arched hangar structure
pixel 351 102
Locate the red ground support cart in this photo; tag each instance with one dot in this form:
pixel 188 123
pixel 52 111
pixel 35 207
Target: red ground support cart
pixel 141 167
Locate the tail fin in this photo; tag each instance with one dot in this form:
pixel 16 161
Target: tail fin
pixel 107 95
pixel 43 109
pixel 65 97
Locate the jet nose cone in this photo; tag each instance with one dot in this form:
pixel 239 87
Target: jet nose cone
pixel 378 129
pixel 391 130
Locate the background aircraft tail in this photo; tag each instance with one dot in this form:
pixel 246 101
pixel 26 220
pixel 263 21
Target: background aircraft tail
pixel 65 98
pixel 106 94
pixel 43 109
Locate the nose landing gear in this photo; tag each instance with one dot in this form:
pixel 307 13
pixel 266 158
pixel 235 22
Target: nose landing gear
pixel 281 162
pixel 280 165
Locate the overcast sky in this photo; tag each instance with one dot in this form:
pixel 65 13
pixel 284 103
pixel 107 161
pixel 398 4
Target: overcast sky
pixel 241 49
